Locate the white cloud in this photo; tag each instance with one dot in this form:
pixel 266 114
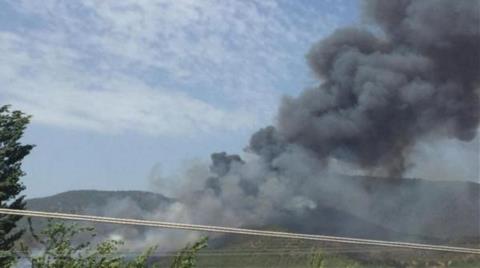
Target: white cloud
pixel 40 80
pixel 155 67
pixel 119 108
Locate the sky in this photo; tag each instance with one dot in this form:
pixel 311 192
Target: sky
pixel 121 90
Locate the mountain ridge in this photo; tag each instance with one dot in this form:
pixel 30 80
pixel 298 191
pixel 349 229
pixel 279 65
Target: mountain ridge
pixel 421 210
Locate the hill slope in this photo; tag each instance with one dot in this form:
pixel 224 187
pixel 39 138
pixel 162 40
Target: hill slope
pixel 399 209
pixel 82 201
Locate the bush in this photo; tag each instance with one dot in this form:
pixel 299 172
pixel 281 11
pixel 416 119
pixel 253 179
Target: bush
pixel 58 250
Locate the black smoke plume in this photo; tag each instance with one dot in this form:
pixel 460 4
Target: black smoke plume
pixel 384 89
pixel 411 76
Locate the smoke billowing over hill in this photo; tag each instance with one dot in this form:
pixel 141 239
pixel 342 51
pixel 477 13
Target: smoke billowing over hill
pixel 412 76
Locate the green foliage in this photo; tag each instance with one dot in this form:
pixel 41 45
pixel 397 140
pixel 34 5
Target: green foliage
pixel 317 260
pixel 58 249
pixel 186 258
pixel 12 152
pixel 321 260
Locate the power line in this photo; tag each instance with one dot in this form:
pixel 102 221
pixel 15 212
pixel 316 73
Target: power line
pixel 231 230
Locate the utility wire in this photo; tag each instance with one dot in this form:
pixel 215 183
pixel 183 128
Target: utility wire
pixel 230 230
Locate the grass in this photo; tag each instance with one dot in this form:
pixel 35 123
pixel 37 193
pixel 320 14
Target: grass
pixel 254 252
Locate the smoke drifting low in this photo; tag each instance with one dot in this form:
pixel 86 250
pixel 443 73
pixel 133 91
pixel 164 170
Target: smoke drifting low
pixel 412 77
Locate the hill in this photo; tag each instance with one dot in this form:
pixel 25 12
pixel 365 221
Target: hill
pixel 444 211
pixel 398 209
pixel 82 201
pixel 406 209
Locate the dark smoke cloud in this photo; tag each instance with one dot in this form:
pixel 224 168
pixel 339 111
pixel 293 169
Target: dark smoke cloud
pixel 267 143
pixel 221 163
pixel 408 84
pixel 412 79
pixel 379 96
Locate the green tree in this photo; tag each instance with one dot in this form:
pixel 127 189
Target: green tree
pixel 68 246
pixel 12 152
pixel 187 257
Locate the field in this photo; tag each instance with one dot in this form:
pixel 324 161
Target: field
pixel 236 251
pixel 245 251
